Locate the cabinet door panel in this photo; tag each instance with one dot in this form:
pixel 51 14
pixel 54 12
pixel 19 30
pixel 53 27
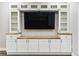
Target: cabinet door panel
pixel 22 45
pixel 63 21
pixel 14 21
pixel 43 45
pixel 33 45
pixel 11 44
pixel 66 44
pixel 55 45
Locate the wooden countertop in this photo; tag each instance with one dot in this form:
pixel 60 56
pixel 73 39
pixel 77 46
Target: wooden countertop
pixel 12 33
pixel 38 37
pixel 65 33
pixel 57 33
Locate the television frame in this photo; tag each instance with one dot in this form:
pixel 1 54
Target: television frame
pixel 45 28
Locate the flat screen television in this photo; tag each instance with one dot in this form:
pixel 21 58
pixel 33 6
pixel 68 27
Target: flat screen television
pixel 39 20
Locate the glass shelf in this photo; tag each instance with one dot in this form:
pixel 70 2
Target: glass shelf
pixel 14 19
pixel 13 13
pixel 64 24
pixel 63 29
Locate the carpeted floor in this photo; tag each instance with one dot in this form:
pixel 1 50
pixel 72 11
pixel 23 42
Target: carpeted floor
pixel 3 53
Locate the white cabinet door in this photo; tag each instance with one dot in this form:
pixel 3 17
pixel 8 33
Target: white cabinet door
pixel 63 22
pixel 11 44
pixel 14 17
pixel 55 45
pixel 33 45
pixel 43 45
pixel 66 43
pixel 22 45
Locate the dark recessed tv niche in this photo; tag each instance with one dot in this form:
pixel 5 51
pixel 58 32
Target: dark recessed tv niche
pixel 39 20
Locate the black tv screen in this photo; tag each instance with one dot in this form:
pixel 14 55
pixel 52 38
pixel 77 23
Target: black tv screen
pixel 39 20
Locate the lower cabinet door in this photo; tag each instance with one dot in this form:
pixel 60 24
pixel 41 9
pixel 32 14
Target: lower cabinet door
pixel 66 43
pixel 55 45
pixel 22 45
pixel 11 44
pixel 43 45
pixel 33 45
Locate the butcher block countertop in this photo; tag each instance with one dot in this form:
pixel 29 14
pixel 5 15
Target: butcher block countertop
pixel 57 36
pixel 65 33
pixel 12 33
pixel 38 37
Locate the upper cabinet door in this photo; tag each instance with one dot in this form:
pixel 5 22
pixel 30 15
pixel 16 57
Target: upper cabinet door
pixel 14 23
pixel 43 45
pixel 64 21
pixel 33 45
pixel 14 18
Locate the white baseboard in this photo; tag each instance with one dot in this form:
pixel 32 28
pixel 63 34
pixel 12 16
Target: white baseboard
pixel 42 53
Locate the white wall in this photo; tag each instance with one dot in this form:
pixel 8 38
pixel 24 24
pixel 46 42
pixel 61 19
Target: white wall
pixel 3 23
pixel 78 29
pixel 73 17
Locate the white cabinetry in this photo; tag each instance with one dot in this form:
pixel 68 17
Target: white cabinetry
pixel 64 21
pixel 14 18
pixel 11 43
pixel 14 24
pixel 43 45
pixel 62 8
pixel 39 45
pixel 55 45
pixel 22 45
pixel 49 45
pixel 65 43
pixel 33 45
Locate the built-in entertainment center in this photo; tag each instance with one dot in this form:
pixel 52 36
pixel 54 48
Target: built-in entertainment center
pixel 39 28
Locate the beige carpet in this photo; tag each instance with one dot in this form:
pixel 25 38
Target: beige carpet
pixel 3 53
